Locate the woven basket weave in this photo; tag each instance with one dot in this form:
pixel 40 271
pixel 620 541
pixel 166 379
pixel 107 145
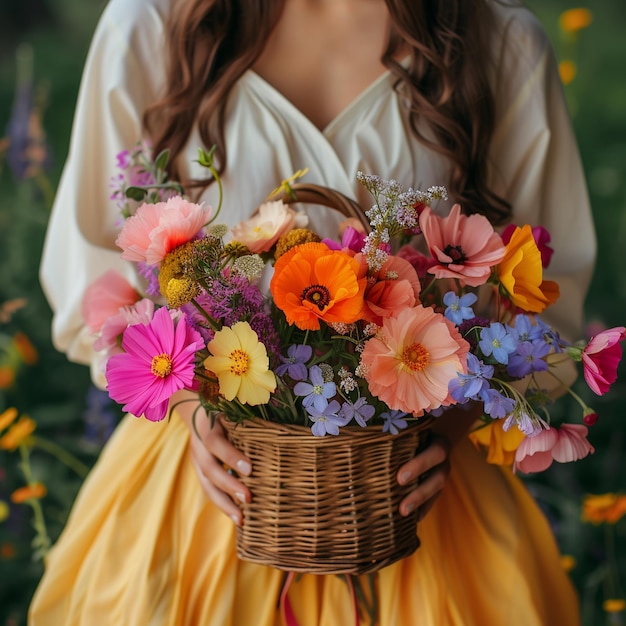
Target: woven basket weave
pixel 325 505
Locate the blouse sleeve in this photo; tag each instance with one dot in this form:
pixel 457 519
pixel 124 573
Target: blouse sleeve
pixel 120 79
pixel 536 164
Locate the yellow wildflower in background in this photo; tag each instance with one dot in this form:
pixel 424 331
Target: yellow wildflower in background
pixel 17 433
pixel 4 510
pixel 614 605
pixel 606 508
pixel 567 71
pixel 30 492
pixel 573 20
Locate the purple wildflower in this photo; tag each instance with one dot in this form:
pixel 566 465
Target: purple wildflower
pixel 497 341
pixel 294 363
pixel 468 386
pixel 496 405
pixel 360 411
pixel 326 421
pixel 316 393
pixel 459 308
pixel 529 358
pixel 393 421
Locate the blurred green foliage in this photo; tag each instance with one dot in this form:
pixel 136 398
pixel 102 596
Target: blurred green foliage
pixel 55 392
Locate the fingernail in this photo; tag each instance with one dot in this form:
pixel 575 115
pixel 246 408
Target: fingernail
pixel 235 519
pixel 408 509
pixel 405 477
pixel 240 496
pixel 244 468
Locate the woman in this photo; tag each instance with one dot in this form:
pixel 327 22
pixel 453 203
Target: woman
pixel 464 94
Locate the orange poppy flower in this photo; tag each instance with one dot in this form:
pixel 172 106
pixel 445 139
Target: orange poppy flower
pixel 311 282
pixel 501 444
pixel 521 274
pixel 608 507
pixel 30 492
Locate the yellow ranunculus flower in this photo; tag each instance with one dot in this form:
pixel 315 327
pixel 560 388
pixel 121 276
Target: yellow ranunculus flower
pixel 573 20
pixel 240 362
pixel 17 433
pixel 520 272
pixel 608 508
pixel 501 444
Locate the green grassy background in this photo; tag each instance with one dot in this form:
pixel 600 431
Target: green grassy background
pixel 54 392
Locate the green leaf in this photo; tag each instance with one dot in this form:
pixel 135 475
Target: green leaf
pixel 161 161
pixel 136 193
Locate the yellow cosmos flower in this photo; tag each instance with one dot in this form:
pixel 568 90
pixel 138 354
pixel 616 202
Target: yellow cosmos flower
pixel 17 433
pixel 35 491
pixel 605 508
pixel 521 273
pixel 567 71
pixel 573 20
pixel 614 605
pixel 501 444
pixel 240 362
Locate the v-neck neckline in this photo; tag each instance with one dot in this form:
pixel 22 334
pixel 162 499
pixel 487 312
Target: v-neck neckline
pixel 347 110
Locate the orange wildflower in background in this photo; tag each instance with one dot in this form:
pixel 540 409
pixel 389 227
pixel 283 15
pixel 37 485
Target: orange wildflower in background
pixel 311 282
pixel 614 605
pixel 567 71
pixel 573 20
pixel 7 377
pixel 605 508
pixel 501 444
pixel 25 348
pixel 7 417
pixel 17 433
pixel 568 562
pixel 521 273
pixel 36 491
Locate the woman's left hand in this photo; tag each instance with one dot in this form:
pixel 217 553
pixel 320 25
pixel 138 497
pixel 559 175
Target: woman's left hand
pixel 431 466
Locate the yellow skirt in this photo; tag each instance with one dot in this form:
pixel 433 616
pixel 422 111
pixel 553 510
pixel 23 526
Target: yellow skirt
pixel 145 547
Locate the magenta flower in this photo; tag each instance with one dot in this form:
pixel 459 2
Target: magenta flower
pixel 465 247
pixel 600 358
pixel 158 361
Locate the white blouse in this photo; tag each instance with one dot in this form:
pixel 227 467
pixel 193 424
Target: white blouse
pixel 534 161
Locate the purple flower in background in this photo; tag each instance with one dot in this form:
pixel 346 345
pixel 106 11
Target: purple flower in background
pixel 316 393
pixel 393 421
pixel 529 358
pixel 459 308
pixel 294 363
pixel 360 411
pixel 326 421
pixel 99 417
pixel 496 405
pixel 496 341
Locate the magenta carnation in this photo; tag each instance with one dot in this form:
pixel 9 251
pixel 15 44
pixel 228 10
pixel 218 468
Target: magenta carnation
pixel 157 361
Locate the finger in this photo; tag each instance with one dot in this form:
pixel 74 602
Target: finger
pixel 435 454
pixel 219 446
pixel 426 492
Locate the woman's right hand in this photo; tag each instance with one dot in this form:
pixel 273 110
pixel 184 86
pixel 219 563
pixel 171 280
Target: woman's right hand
pixel 212 455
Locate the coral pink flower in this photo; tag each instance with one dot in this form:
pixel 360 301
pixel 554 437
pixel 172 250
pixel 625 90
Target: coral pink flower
pixel 465 247
pixel 564 445
pixel 600 357
pixel 410 362
pixel 157 361
pixel 267 225
pixel 395 286
pixel 542 239
pixel 141 312
pixel 104 298
pixel 157 229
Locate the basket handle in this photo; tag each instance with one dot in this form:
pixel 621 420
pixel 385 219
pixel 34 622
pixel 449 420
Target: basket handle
pixel 310 193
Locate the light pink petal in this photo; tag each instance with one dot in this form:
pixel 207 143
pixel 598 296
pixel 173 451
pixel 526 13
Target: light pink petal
pixel 572 444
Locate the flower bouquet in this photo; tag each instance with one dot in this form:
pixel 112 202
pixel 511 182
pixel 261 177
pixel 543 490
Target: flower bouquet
pixel 330 381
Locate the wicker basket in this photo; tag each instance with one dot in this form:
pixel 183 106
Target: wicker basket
pixel 325 505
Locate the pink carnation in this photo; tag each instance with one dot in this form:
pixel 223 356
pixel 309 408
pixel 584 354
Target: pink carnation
pixel 565 444
pixel 601 357
pixel 464 247
pixel 157 229
pixel 158 360
pixel 104 298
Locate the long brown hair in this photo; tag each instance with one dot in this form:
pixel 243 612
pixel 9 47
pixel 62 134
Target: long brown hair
pixel 213 42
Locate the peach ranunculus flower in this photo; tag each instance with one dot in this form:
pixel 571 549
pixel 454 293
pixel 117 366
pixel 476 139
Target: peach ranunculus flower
pixel 271 221
pixel 312 283
pixel 394 287
pixel 521 273
pixel 564 445
pixel 104 298
pixel 465 247
pixel 411 360
pixel 605 508
pixel 501 444
pixel 157 229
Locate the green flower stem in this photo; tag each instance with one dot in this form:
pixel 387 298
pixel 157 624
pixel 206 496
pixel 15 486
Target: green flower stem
pixel 571 392
pixel 68 459
pixel 42 539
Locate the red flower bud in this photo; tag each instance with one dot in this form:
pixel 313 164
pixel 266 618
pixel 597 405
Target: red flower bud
pixel 590 419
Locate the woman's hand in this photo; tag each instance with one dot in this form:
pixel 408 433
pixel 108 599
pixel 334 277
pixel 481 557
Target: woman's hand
pixel 210 453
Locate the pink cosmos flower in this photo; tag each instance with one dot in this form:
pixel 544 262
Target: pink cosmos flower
pixel 271 221
pixel 141 312
pixel 157 229
pixel 158 361
pixel 394 287
pixel 104 298
pixel 542 239
pixel 600 357
pixel 465 247
pixel 411 360
pixel 565 444
pixel 352 239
